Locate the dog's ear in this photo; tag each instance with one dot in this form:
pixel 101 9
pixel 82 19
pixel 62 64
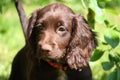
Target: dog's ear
pixel 31 30
pixel 31 23
pixel 82 43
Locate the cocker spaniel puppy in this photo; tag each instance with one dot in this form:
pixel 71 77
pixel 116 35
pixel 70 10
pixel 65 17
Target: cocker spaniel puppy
pixel 59 46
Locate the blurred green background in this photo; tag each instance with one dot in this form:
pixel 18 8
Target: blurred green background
pixel 102 15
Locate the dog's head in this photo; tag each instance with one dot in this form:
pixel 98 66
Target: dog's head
pixel 55 31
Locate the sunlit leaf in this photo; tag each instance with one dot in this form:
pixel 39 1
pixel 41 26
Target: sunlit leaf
pixel 94 6
pixel 102 3
pixel 107 65
pixel 111 11
pixel 96 55
pixel 111 37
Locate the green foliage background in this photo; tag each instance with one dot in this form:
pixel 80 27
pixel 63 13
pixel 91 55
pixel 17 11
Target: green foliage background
pixel 102 15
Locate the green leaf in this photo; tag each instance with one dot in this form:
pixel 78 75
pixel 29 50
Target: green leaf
pixel 112 57
pixel 107 65
pixel 118 57
pixel 91 17
pixel 112 76
pixel 118 73
pixel 111 37
pixel 106 22
pixel 0 8
pixel 96 55
pixel 100 15
pixel 115 75
pixel 102 3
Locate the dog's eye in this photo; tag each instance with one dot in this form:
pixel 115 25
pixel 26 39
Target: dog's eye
pixel 40 26
pixel 62 29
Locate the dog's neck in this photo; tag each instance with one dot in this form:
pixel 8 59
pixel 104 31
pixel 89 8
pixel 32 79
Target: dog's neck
pixel 57 64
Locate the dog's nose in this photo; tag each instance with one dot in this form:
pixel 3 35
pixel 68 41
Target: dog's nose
pixel 46 47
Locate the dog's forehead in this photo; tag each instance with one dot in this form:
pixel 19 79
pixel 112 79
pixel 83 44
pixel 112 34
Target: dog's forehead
pixel 56 9
pixel 55 14
pixel 54 19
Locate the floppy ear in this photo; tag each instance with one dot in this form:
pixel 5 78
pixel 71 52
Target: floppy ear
pixel 81 45
pixel 31 30
pixel 31 24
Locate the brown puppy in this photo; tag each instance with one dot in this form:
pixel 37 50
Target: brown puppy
pixel 59 45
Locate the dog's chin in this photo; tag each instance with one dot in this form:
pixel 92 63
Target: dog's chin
pixel 56 59
pixel 55 55
pixel 51 56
